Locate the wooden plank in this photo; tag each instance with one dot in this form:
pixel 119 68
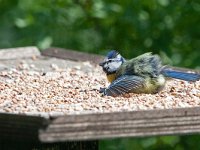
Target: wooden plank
pixel 20 52
pixel 21 132
pixel 124 124
pixel 20 127
pixel 72 55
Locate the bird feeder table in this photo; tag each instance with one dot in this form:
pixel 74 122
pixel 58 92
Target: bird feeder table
pixel 51 99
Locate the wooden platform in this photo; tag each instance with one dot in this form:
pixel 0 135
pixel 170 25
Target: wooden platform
pixel 90 126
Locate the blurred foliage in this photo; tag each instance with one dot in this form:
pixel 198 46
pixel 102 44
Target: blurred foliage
pixel 153 143
pixel 167 27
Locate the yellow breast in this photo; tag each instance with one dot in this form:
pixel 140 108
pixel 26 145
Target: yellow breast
pixel 111 77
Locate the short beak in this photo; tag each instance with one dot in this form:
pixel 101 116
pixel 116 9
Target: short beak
pixel 101 64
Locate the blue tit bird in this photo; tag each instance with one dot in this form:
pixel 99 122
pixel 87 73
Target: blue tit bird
pixel 142 74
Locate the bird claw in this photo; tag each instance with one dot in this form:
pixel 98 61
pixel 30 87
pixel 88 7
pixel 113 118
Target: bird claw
pixel 102 91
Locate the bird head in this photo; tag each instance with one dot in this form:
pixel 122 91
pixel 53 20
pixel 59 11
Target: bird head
pixel 112 62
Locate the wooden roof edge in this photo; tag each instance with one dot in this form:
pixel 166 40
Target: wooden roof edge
pixel 101 125
pixel 32 51
pixel 19 52
pixel 122 124
pixel 136 114
pixel 92 135
pixel 21 127
pixel 71 55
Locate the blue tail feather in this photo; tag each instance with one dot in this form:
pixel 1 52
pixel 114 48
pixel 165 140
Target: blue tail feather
pixel 182 74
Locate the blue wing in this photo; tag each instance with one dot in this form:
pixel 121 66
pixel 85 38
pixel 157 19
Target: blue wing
pixel 123 85
pixel 180 73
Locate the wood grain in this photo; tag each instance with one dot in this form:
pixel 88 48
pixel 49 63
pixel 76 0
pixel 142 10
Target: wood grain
pixel 124 124
pixel 72 55
pixel 18 127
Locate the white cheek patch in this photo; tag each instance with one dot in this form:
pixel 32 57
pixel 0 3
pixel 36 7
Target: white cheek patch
pixel 113 66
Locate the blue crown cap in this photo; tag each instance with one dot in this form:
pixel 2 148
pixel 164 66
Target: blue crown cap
pixel 112 54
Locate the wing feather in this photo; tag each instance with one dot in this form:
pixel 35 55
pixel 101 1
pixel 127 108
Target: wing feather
pixel 124 84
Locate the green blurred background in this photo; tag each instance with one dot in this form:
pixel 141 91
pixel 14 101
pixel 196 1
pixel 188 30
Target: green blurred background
pixel 167 27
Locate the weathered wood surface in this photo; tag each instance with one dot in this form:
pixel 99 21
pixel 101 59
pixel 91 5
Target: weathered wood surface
pixel 16 127
pixel 20 52
pixel 10 58
pixel 122 124
pixel 72 55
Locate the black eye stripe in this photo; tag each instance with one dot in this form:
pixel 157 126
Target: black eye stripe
pixel 110 60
